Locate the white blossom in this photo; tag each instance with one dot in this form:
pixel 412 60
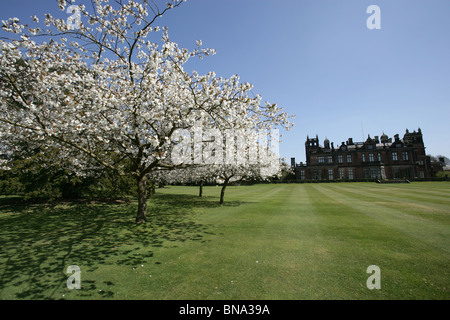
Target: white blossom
pixel 114 98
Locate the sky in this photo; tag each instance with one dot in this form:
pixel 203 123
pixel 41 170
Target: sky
pixel 318 60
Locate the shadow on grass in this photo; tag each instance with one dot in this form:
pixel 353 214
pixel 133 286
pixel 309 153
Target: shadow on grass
pixel 39 241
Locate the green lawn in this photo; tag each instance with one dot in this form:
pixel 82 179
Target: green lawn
pixel 286 241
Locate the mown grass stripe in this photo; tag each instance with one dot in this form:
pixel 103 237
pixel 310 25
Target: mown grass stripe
pixel 290 241
pixel 431 209
pixel 442 189
pixel 423 230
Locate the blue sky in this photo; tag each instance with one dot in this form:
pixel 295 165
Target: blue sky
pixel 319 61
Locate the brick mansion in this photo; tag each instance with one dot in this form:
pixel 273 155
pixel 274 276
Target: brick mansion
pixel 376 158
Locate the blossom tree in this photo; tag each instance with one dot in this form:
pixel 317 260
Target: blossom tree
pixel 226 156
pixel 249 159
pixel 107 97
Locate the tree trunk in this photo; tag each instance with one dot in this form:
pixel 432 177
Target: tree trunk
pixel 222 192
pixel 200 191
pixel 151 188
pixel 142 199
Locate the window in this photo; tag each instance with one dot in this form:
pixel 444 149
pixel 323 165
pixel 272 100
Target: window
pixel 405 156
pixel 370 146
pixel 379 157
pixel 330 159
pixel 321 159
pixel 330 174
pixel 350 174
pixel 371 157
pixel 375 173
pixel 341 173
pixel 349 158
pixel 395 156
pixel 317 175
pixel 302 175
pixel 340 159
pixel 363 157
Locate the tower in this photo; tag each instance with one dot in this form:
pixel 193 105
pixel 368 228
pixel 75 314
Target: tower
pixel 311 145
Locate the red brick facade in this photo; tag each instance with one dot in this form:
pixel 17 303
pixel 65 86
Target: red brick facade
pixel 376 158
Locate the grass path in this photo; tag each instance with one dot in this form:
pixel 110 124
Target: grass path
pixel 287 241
